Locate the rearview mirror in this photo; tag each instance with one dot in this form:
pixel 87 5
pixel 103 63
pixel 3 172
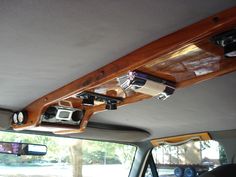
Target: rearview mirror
pixel 22 148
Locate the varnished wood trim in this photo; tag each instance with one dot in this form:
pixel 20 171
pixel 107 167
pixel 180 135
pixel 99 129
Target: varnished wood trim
pixel 227 69
pixel 176 139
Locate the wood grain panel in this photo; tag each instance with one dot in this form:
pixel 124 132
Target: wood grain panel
pixel 181 138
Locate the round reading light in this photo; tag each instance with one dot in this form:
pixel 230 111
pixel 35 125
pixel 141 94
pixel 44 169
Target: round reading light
pixel 21 117
pixel 15 118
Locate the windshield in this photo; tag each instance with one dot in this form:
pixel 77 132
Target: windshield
pixel 67 157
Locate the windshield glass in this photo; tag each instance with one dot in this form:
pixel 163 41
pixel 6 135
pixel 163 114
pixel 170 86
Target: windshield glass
pixel 67 157
pixel 195 157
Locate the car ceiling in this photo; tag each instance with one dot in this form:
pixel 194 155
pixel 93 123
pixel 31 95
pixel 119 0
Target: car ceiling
pixel 209 106
pixel 46 44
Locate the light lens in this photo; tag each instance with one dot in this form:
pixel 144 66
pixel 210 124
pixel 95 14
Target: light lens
pixel 20 117
pixel 14 117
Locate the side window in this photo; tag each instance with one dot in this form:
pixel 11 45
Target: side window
pixel 189 159
pixel 148 172
pixel 150 169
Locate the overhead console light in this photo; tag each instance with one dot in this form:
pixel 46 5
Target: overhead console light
pixel 227 40
pixel 148 84
pixel 19 118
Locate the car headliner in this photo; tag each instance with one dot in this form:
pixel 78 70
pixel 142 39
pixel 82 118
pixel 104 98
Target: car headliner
pixel 46 44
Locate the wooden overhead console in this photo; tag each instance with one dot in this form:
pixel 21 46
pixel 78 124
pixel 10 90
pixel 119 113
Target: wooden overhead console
pixel 196 53
pixel 174 140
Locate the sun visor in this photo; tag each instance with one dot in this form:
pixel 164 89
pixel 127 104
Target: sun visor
pixel 110 132
pixel 97 131
pixel 112 135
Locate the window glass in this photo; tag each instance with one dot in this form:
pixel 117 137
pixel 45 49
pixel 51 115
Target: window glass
pixel 67 157
pixel 148 172
pixel 194 157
